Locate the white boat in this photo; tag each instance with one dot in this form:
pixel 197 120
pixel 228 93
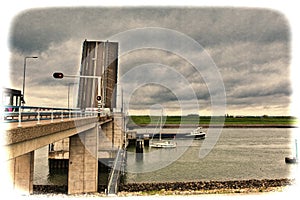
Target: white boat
pixel 161 143
pixel 197 133
pixel 293 160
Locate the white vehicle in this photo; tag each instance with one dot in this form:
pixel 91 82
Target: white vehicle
pixel 105 112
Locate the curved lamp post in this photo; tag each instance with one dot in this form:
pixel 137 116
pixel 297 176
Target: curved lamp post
pixel 24 72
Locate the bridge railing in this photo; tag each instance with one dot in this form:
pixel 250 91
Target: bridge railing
pixel 114 176
pixel 31 113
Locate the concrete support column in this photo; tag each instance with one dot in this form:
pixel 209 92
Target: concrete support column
pixel 21 169
pixel 108 131
pixel 83 162
pixel 118 129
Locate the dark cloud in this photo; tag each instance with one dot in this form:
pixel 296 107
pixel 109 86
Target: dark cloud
pixel 250 47
pixel 35 30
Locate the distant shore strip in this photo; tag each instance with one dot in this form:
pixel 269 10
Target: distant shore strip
pixel 215 126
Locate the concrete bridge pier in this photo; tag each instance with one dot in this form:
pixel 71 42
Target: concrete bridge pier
pixel 21 169
pixel 83 162
pixel 118 129
pixel 114 132
pixel 107 129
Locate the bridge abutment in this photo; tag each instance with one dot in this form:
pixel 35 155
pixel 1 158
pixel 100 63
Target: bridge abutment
pixel 83 162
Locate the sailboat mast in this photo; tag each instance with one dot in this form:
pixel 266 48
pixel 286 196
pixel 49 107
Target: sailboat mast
pixel 296 149
pixel 160 124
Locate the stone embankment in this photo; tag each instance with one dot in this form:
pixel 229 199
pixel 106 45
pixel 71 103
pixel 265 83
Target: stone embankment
pixel 184 188
pixel 205 186
pixel 42 189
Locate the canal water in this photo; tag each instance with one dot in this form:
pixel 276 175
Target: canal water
pixel 238 154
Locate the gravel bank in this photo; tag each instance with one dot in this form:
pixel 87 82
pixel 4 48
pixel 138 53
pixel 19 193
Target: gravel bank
pixel 183 188
pixel 204 187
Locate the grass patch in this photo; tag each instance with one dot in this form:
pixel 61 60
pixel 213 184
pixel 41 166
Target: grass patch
pixel 144 120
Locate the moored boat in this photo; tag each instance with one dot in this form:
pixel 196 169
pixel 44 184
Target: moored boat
pixel 161 143
pixel 290 160
pixel 293 160
pixel 197 134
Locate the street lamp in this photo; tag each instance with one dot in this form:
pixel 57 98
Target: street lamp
pixel 69 84
pixel 23 91
pixel 60 75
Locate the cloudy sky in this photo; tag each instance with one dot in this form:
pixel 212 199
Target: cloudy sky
pixel 250 48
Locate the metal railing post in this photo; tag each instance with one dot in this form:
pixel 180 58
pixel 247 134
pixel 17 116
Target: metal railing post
pixel 52 116
pixel 38 117
pixel 62 116
pixel 20 117
pixel 2 117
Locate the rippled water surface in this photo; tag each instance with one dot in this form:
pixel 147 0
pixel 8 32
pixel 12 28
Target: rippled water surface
pixel 238 154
